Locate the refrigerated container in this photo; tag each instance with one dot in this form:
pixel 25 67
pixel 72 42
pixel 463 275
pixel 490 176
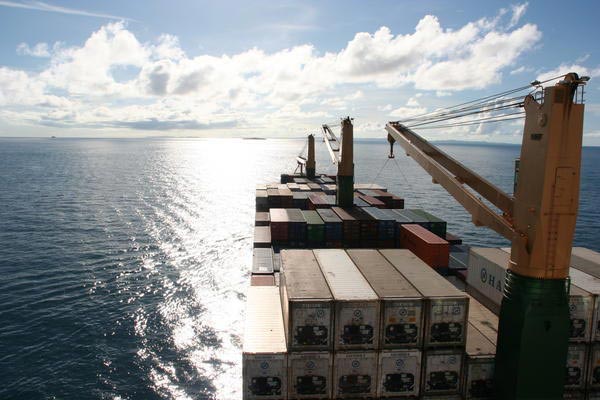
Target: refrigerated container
pixel 401 303
pixel 399 374
pixel 262 261
pixel 355 375
pixel 310 375
pixel 442 371
pixel 480 354
pixel 356 318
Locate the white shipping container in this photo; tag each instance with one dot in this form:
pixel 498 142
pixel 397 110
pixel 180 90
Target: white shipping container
pixel 310 375
pixel 264 358
pixel 487 272
pixel 442 371
pixel 307 302
pixel 576 366
pixel 355 375
pixel 401 302
pixel 356 318
pixel 479 365
pixel 594 368
pixel 446 307
pixel 590 284
pixel 399 373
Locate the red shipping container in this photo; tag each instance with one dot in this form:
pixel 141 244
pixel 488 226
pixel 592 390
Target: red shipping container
pixel 429 247
pixel 372 201
pixel 317 201
pixel 262 280
pixel 279 225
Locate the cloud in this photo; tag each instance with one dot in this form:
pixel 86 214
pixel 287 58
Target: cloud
pixel 565 68
pixel 46 7
pixel 114 78
pixel 39 50
pixel 518 10
pixel 520 70
pixel 407 112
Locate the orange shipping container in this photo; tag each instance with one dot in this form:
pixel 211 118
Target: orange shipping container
pixel 262 280
pixel 429 247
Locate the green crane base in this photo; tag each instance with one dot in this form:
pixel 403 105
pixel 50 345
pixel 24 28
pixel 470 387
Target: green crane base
pixel 533 337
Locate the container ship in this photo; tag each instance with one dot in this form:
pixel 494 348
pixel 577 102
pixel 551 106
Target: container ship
pixel 353 294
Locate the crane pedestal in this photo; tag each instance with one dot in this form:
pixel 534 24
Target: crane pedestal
pixel 532 338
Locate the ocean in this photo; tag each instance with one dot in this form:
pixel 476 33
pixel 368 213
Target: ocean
pixel 124 262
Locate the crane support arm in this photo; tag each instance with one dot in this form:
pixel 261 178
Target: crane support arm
pixel 329 137
pixel 451 175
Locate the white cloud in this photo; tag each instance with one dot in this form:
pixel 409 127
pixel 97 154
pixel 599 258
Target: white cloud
pixel 39 50
pixel 565 68
pixel 518 10
pixel 407 112
pixel 441 93
pixel 113 79
pixel 520 70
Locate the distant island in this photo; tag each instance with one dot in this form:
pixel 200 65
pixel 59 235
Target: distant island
pixel 254 138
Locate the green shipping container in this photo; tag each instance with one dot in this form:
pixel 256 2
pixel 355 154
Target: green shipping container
pixel 436 225
pixel 315 228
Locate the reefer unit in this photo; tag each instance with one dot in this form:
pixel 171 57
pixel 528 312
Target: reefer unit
pixel 401 304
pixel 355 375
pixel 576 367
pixel 399 374
pixel 594 368
pixel 262 261
pixel 264 358
pixel 479 365
pixel 310 375
pixel 356 318
pixel 442 371
pixel 307 302
pixel 446 308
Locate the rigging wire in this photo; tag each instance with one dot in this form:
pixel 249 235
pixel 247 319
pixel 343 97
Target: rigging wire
pixel 497 118
pixel 379 173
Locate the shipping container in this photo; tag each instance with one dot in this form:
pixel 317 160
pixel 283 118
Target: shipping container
pixel 262 261
pixel 576 367
pixel 314 187
pixel 310 375
pixel 452 239
pixel 327 180
pixel 401 304
pixel 262 237
pixel 316 200
pixel 485 279
pixel 459 257
pixel 399 374
pixel 315 229
pixel 356 318
pixel 594 368
pixel 264 356
pixel 373 186
pixel 436 225
pixel 446 307
pixel 372 201
pixel 480 354
pixel 355 375
pixel 274 200
pixel 300 200
pixel 442 371
pixel 329 188
pixel 297 228
pixel 484 320
pixel 333 228
pixel 358 202
pixel 590 284
pixel 307 302
pixel 350 227
pixel 262 200
pixel 280 222
pixel 368 227
pixel 430 248
pixel 303 187
pixel 261 186
pixel 300 180
pixel 261 218
pixel 293 186
pixel 586 260
pixel 415 218
pixel 385 226
pixel 262 280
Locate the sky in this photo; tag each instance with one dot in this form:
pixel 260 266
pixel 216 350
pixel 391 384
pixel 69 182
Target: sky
pixel 280 69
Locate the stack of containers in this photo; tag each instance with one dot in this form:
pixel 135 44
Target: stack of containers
pixel 485 282
pixel 300 199
pixel 316 201
pixel 401 325
pixel 436 225
pixel 264 354
pixel 262 237
pixel 262 261
pixel 308 319
pixel 372 201
pixel 350 227
pixel 279 226
pixel 429 247
pixel 333 228
pixel 297 228
pixel 415 218
pixel 385 226
pixel 261 218
pixel 446 313
pixel 356 326
pixel 262 200
pixel 315 229
pixel 368 227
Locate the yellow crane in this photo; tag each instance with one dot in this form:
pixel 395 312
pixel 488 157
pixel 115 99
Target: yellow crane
pixel 539 221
